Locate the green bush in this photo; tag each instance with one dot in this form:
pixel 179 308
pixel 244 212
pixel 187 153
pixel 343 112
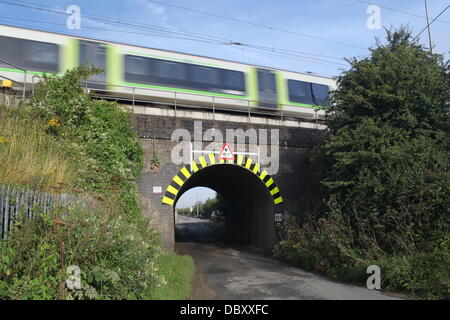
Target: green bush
pixel 99 132
pixel 116 258
pixel 423 274
pixel 383 166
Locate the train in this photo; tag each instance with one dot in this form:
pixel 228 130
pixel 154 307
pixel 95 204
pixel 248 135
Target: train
pixel 161 76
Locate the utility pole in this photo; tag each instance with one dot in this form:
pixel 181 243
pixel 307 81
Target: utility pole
pixel 196 201
pixel 428 26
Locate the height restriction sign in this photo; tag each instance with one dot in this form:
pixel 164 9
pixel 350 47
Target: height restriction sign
pixel 226 153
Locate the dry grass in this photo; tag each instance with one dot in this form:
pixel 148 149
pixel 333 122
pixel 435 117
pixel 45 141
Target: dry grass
pixel 27 154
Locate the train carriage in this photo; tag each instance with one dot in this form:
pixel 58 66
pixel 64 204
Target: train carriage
pixel 159 76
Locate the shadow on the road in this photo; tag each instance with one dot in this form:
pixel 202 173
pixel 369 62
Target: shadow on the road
pixel 200 232
pixel 219 257
pixel 214 237
pixel 250 253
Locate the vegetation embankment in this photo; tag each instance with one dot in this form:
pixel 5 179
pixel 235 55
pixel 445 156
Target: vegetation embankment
pixel 64 141
pixel 383 170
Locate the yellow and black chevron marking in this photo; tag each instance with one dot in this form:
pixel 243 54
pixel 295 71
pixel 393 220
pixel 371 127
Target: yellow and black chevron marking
pixel 6 83
pixel 213 159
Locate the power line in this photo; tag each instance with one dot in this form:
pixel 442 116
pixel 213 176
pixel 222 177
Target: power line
pixel 397 10
pixel 257 24
pixel 186 36
pixel 429 29
pixel 108 20
pixel 287 53
pixel 112 30
pixel 429 24
pixel 307 59
pixel 284 56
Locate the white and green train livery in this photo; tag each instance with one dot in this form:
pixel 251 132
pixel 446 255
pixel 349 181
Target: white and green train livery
pixel 160 76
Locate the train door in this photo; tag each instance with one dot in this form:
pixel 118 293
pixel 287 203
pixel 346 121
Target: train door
pixel 94 54
pixel 267 89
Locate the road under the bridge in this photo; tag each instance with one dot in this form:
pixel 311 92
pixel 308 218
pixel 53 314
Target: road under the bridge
pixel 232 271
pixel 243 268
pixel 250 205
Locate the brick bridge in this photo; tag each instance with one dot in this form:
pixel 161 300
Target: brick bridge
pixel 255 188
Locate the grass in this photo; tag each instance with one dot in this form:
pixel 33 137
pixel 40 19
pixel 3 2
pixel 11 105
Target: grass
pixel 28 155
pixel 179 272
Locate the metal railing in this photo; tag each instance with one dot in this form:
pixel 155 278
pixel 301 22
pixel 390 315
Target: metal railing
pixel 252 107
pixel 17 204
pixel 24 84
pixel 134 95
pixel 215 103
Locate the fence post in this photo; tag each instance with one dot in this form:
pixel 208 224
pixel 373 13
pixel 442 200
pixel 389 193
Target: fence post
pixel 13 199
pixel 6 213
pixel 175 111
pixel 2 212
pixel 133 100
pixel 24 84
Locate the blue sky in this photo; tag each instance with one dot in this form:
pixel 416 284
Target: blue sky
pixel 325 30
pixel 190 197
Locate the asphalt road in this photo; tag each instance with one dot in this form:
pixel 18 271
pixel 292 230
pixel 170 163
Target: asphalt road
pixel 239 272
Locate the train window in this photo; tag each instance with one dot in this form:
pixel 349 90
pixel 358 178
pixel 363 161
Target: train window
pixel 183 75
pixel 266 81
pixel 10 51
pixel 234 80
pixel 40 52
pixel 321 94
pixel 169 69
pixel 300 92
pixel 205 75
pixel 137 65
pixel 93 54
pixel 137 69
pixel 29 54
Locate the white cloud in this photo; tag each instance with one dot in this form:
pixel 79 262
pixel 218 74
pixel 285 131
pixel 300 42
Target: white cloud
pixel 154 10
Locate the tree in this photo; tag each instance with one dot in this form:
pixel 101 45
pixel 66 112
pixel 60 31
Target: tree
pixel 383 167
pixel 386 153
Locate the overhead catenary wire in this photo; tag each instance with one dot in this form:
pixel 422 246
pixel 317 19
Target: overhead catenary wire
pixel 398 10
pixel 105 19
pixel 108 29
pixel 282 56
pixel 281 52
pixel 306 59
pixel 429 24
pixel 158 28
pixel 183 35
pixel 258 25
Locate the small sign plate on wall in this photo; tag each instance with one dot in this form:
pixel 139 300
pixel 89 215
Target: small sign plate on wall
pixel 278 217
pixel 157 189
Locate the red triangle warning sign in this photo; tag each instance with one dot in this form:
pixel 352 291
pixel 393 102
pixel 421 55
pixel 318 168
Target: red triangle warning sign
pixel 226 153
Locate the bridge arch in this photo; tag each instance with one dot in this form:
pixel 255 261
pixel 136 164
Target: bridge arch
pixel 212 159
pixel 252 194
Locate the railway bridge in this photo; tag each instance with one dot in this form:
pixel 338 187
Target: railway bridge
pixel 185 108
pixel 267 176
